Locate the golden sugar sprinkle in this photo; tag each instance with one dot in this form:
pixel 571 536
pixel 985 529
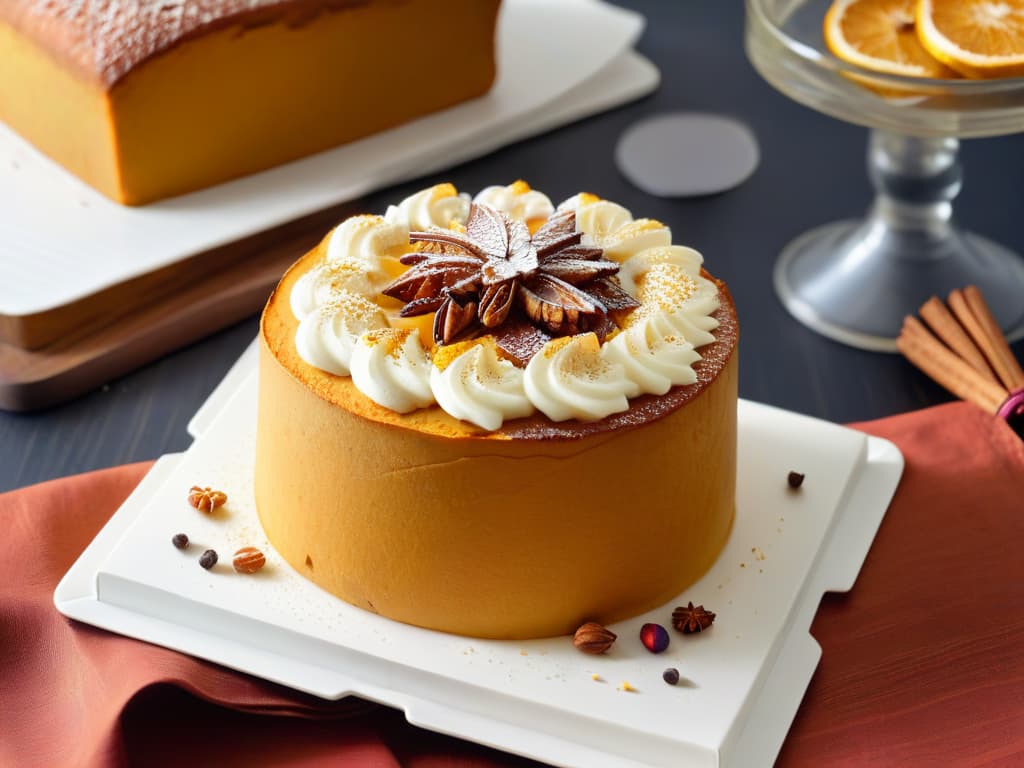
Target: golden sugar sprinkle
pixel 338 275
pixel 663 289
pixel 350 305
pixel 366 220
pixel 555 345
pixel 393 338
pixel 445 355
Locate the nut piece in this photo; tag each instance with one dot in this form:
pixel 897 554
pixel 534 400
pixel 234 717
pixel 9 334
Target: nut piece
pixel 248 560
pixel 208 559
pixel 593 638
pixel 206 499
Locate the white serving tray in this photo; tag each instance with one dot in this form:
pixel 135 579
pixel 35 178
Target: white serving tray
pixel 747 674
pixel 557 62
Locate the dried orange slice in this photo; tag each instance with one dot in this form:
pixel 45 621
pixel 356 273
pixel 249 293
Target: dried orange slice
pixel 879 35
pixel 979 38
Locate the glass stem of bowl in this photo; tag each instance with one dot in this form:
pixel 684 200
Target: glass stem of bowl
pixel 916 180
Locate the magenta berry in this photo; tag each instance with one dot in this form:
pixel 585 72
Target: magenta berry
pixel 654 637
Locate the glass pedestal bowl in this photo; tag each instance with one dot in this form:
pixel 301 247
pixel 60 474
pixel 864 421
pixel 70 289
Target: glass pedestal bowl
pixel 854 281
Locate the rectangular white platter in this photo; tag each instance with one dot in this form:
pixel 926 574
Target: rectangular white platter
pixel 557 62
pixel 746 675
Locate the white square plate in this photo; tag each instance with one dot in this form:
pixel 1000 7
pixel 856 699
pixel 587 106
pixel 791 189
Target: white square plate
pixel 746 675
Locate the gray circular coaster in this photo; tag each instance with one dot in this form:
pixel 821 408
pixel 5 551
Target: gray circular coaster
pixel 685 154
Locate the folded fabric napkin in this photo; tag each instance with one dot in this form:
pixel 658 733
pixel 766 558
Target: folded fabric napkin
pixel 922 661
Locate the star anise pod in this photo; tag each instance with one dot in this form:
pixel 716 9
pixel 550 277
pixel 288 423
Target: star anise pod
pixel 479 277
pixel 689 619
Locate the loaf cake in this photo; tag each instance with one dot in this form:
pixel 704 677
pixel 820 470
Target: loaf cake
pixel 496 417
pixel 146 100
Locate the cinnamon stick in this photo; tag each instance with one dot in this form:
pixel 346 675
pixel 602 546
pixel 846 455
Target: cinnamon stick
pixel 936 360
pixel 993 343
pixel 946 327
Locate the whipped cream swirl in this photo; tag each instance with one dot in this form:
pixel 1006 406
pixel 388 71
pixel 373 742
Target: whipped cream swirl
pixel 654 361
pixel 363 240
pixel 436 206
pixel 327 335
pixel 478 387
pixel 391 368
pixel 518 201
pixel 570 379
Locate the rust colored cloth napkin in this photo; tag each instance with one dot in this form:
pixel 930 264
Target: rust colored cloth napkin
pixel 923 662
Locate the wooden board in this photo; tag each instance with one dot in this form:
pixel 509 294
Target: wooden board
pixel 110 333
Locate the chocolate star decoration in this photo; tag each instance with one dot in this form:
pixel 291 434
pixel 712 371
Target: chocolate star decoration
pixel 477 280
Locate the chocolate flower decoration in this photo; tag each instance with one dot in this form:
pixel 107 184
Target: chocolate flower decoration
pixel 476 279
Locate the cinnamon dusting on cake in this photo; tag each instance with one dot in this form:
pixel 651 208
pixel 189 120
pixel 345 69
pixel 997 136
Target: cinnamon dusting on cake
pixel 584 359
pixel 555 345
pixel 392 338
pixel 106 39
pixel 663 288
pixel 366 220
pixel 443 356
pixel 350 305
pixel 339 275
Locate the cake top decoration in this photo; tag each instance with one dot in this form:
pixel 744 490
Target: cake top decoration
pixel 480 276
pixel 504 304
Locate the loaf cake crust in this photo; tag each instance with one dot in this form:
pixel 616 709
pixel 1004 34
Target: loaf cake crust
pixel 104 40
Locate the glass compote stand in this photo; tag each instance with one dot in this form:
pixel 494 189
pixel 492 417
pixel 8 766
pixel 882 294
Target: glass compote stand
pixel 854 281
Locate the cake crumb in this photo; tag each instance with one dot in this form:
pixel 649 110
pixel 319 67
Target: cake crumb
pixel 597 678
pixel 523 653
pixel 743 565
pixel 627 687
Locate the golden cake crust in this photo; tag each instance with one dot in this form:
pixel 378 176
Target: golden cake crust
pixel 104 40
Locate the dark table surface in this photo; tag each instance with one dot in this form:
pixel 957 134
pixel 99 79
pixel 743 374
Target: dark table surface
pixel 812 171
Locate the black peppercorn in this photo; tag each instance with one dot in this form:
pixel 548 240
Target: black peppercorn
pixel 208 559
pixel 180 540
pixel 670 676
